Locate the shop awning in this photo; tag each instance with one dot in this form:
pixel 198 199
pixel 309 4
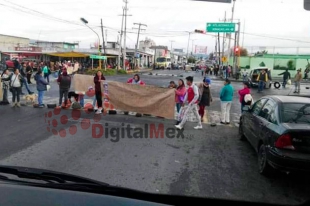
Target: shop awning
pixel 68 54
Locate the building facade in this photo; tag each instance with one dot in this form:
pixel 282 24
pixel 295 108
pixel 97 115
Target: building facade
pixel 8 43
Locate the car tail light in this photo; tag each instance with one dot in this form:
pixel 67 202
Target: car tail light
pixel 285 142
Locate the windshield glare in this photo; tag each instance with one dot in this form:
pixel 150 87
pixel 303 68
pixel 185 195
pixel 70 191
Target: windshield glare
pixel 295 113
pixel 161 59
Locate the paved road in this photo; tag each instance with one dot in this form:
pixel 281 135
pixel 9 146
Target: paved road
pixel 211 162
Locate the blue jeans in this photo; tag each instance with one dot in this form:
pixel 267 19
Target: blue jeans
pixel 82 100
pixel 24 81
pixel 40 97
pixel 178 105
pixel 284 83
pixel 94 102
pixel 47 77
pixel 245 79
pixel 261 85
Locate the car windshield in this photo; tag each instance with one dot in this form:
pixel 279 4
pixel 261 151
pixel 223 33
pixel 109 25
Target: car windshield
pixel 88 95
pixel 295 113
pixel 161 59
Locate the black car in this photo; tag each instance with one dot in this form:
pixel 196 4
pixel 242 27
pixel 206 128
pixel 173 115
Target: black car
pixel 278 127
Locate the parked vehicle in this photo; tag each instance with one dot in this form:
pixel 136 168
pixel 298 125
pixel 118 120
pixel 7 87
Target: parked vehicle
pixel 252 79
pixel 278 127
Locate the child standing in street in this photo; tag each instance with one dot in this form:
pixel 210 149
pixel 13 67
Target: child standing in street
pixel 191 96
pixel 206 98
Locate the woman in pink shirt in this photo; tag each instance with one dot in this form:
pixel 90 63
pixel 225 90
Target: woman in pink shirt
pixel 242 92
pixel 179 94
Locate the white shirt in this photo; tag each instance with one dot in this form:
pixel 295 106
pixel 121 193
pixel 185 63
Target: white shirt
pixel 196 92
pixel 15 82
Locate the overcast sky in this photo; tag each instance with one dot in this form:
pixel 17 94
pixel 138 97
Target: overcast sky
pixel 266 21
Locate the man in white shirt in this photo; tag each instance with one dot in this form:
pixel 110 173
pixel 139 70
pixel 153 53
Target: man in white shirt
pixel 191 96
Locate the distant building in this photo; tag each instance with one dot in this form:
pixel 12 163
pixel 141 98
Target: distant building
pixel 54 46
pixel 8 43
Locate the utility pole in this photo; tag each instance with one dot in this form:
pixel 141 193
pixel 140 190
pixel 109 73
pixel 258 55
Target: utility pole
pixel 219 43
pixel 171 41
pixel 193 45
pixel 120 41
pixel 243 32
pixel 229 41
pixel 103 44
pixel 137 44
pixel 124 51
pixel 189 37
pixel 238 42
pixel 223 48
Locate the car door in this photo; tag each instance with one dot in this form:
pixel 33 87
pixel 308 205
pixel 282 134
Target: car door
pixel 266 122
pixel 250 127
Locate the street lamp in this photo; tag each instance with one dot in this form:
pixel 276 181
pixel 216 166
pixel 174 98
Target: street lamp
pixel 99 49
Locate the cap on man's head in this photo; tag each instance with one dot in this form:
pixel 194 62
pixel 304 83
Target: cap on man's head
pixel 207 80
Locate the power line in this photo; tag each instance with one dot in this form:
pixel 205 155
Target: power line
pixel 279 38
pixel 37 13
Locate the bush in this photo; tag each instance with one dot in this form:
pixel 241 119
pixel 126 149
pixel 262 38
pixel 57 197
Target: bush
pixel 122 71
pixel 109 72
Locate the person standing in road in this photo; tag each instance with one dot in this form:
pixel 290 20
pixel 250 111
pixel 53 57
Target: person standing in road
pixel 24 78
pixel 245 75
pixel 98 80
pixel 5 76
pixel 64 82
pixel 16 87
pixel 191 96
pixel 172 85
pixel 180 94
pixel 206 97
pixel 286 76
pixel 41 87
pixel 29 72
pixel 46 72
pixel 242 92
pixel 226 96
pixel 306 73
pixel 297 81
pixel 262 79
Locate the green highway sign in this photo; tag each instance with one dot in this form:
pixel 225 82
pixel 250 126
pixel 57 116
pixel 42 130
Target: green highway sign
pixel 97 57
pixel 221 27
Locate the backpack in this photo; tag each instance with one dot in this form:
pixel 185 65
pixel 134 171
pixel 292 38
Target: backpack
pixel 76 105
pixel 248 99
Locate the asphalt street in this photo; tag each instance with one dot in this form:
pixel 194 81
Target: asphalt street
pixel 209 163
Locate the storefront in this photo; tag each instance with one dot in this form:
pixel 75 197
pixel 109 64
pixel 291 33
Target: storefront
pixel 24 54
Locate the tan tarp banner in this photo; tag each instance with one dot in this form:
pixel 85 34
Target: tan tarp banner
pixel 134 98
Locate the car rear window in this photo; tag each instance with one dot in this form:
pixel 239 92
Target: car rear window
pixel 295 113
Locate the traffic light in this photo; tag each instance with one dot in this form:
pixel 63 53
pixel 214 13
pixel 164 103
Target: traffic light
pixel 237 51
pixel 199 31
pixel 100 48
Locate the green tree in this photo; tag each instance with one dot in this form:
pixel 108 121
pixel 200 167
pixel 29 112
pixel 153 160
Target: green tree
pixel 211 56
pixel 261 53
pixel 243 52
pixel 290 65
pixel 262 64
pixel 191 59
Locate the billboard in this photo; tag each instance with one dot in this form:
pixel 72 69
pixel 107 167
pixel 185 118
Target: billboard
pixel 201 49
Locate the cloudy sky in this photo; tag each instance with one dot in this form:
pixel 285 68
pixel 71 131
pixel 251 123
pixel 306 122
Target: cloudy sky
pixel 265 23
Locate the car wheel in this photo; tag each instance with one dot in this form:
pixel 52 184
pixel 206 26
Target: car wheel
pixel 277 85
pixel 263 165
pixel 241 134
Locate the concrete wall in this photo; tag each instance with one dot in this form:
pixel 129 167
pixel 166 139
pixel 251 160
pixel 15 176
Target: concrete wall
pixel 277 65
